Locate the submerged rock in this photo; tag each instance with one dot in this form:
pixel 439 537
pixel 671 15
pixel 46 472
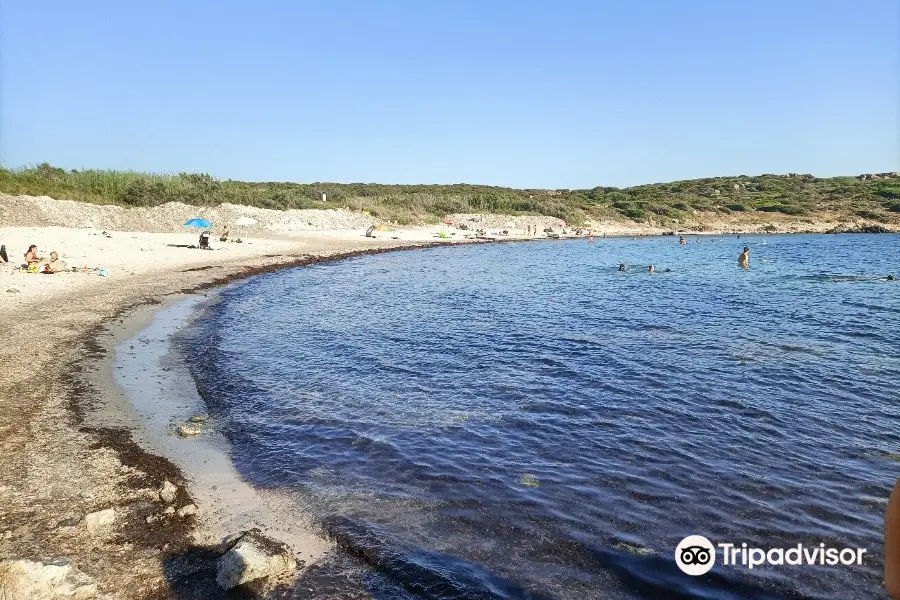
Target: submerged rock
pixel 96 521
pixel 167 492
pixel 529 480
pixel 253 557
pixel 56 579
pixel 199 418
pixel 188 430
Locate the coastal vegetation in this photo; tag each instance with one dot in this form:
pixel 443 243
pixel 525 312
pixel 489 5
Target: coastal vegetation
pixel 874 197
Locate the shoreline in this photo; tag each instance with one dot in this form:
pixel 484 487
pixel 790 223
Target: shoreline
pixel 145 387
pixel 60 466
pixel 63 466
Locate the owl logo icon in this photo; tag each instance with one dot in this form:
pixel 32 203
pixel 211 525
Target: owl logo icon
pixel 695 555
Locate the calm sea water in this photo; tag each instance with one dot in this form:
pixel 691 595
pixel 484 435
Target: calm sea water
pixel 506 420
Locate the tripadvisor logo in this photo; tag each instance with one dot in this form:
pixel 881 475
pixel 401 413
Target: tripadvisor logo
pixel 696 555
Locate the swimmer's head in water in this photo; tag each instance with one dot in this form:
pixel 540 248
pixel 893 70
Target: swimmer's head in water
pixel 651 268
pixel 746 249
pixel 622 267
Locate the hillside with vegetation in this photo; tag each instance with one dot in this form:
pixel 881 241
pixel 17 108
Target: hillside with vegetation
pixel 873 197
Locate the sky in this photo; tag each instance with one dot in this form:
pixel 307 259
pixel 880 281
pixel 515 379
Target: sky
pixel 520 93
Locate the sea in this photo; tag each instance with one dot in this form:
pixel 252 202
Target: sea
pixel 526 420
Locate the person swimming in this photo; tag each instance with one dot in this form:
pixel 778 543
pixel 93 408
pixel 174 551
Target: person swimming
pixel 622 267
pixel 651 269
pixel 744 258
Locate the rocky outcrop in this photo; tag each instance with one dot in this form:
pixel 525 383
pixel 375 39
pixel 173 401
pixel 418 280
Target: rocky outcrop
pixel 253 556
pixel 860 228
pixel 58 579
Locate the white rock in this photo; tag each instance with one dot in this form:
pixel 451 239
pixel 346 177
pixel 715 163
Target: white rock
pixel 188 430
pixel 100 519
pixel 57 579
pixel 167 492
pixel 187 510
pixel 253 557
pixel 170 510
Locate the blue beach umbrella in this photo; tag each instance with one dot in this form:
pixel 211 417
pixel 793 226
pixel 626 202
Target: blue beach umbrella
pixel 198 223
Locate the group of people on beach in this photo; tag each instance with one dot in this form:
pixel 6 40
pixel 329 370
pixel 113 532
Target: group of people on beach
pixel 35 263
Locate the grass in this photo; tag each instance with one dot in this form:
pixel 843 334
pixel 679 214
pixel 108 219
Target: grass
pixel 663 204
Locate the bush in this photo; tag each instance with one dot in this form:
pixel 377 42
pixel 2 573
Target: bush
pixel 795 195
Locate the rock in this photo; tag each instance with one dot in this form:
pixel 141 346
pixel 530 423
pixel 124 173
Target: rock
pixel 152 519
pixel 188 430
pixel 57 579
pixel 170 510
pixel 529 480
pixel 187 510
pixel 167 492
pixel 13 291
pixel 100 519
pixel 199 418
pixel 254 556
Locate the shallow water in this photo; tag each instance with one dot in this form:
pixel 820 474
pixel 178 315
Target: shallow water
pixel 523 418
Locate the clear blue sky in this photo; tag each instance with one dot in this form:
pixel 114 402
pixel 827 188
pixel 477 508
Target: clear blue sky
pixel 556 93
